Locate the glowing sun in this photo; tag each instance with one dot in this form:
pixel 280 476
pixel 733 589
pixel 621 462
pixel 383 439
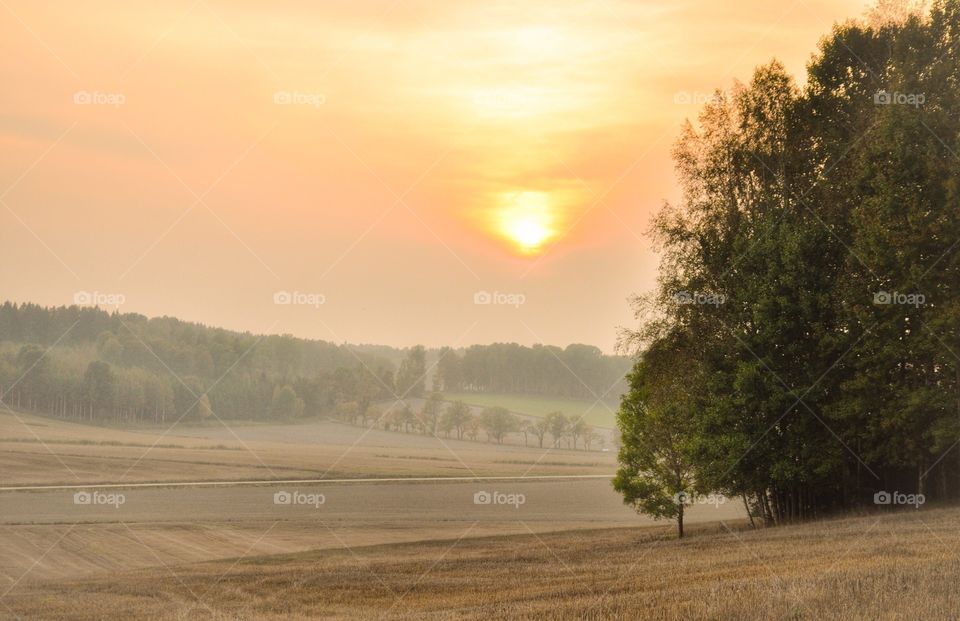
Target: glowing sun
pixel 526 219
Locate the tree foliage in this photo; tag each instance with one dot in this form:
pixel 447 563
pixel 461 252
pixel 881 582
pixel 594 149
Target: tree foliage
pixel 809 280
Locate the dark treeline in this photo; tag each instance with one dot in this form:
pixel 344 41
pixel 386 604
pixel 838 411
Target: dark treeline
pixel 86 363
pixel 575 371
pixel 801 348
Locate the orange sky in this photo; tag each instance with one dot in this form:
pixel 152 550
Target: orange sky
pixel 391 159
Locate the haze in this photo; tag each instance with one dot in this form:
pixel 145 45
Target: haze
pixel 385 164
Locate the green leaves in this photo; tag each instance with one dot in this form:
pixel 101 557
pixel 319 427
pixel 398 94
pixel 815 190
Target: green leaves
pixel 826 220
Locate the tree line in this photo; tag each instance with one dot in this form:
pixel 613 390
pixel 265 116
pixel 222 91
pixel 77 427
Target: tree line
pixel 89 364
pixel 455 419
pixel 801 347
pixel 580 371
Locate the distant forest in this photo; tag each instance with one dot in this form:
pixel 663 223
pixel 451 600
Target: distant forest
pixel 86 363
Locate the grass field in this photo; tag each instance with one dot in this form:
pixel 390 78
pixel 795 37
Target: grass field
pixel 43 534
pixel 597 414
pixel 885 566
pixel 39 450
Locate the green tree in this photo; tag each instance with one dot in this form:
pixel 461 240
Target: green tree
pixel 412 374
pixel 497 422
pixel 430 413
pixel 455 418
pixel 539 429
pixel 658 456
pixel 578 429
pixel 100 389
pixel 286 404
pixel 557 425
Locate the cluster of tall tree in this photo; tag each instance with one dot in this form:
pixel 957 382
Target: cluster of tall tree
pixel 801 348
pixel 581 371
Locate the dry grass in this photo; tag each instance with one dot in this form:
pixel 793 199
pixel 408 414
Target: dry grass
pixel 72 551
pixel 890 566
pixel 36 450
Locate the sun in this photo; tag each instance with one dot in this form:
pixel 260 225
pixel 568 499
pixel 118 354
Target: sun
pixel 526 219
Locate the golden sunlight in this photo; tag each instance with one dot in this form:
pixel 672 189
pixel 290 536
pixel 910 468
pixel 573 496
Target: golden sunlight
pixel 526 219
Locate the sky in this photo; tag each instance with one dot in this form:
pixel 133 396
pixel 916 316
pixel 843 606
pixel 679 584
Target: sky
pixel 396 172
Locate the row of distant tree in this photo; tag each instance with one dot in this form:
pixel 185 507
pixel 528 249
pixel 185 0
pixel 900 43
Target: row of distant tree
pixel 86 363
pixel 580 371
pixel 456 419
pixel 801 349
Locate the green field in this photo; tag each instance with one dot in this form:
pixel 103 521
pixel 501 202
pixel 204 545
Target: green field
pixel 597 414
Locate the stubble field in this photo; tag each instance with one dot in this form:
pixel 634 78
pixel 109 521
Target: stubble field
pixel 36 450
pixel 883 566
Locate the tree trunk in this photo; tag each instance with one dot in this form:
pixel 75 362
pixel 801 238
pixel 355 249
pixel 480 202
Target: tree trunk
pixel 765 507
pixel 746 505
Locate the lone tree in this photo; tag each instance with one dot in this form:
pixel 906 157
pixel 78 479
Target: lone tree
pixel 657 459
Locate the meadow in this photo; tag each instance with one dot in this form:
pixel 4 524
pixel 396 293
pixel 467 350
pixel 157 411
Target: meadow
pixel 599 414
pixel 37 450
pixel 874 566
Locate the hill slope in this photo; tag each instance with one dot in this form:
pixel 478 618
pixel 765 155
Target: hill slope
pixel 883 566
